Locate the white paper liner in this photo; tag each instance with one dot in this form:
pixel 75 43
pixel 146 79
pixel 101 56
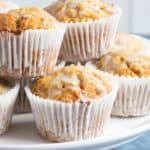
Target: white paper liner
pixel 89 40
pixel 133 98
pixel 31 53
pixel 61 122
pixel 22 104
pixel 7 104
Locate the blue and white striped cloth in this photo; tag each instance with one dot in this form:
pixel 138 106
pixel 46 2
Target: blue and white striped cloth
pixel 143 143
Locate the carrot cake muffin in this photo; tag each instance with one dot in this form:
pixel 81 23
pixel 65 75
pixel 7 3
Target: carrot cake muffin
pixel 18 20
pixel 8 95
pixel 71 84
pixel 6 6
pixel 127 42
pixel 28 44
pixel 81 11
pixel 125 64
pixel 132 70
pixel 71 95
pixel 91 27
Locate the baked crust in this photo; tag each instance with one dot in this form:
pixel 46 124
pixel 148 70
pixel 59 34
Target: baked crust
pixel 70 84
pixel 125 64
pixel 81 11
pixel 18 20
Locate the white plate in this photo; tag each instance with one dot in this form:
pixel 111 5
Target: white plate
pixel 22 135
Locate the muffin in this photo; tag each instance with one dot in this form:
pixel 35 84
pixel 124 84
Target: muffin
pixel 73 103
pixel 91 27
pixel 8 95
pixel 133 73
pixel 6 6
pixel 29 43
pixel 22 104
pixel 127 42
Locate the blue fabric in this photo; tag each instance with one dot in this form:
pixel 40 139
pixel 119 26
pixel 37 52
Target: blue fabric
pixel 143 143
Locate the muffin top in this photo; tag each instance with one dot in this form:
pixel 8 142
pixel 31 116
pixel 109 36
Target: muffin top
pixel 5 86
pixel 81 10
pixel 127 42
pixel 5 6
pixel 18 20
pixel 72 83
pixel 125 64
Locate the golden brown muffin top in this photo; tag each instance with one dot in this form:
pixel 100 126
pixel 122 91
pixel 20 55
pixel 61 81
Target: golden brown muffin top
pixel 125 64
pixel 81 10
pixel 5 86
pixel 72 83
pixel 127 42
pixel 18 20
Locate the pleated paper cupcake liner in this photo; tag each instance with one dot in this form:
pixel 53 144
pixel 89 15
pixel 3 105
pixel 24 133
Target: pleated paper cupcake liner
pixel 7 105
pixel 89 40
pixel 59 122
pixel 133 98
pixel 22 104
pixel 31 53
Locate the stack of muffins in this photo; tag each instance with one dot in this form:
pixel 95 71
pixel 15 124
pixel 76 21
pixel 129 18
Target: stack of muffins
pixel 74 101
pixel 30 40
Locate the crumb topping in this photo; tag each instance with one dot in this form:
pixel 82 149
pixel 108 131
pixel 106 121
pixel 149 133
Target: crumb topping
pixel 125 64
pixel 81 10
pixel 18 20
pixel 70 84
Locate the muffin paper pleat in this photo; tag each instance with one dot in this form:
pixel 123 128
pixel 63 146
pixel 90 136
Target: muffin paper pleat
pixel 22 104
pixel 31 53
pixel 88 40
pixel 133 98
pixel 59 122
pixel 7 104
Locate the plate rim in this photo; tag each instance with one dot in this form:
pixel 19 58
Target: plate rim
pixel 141 128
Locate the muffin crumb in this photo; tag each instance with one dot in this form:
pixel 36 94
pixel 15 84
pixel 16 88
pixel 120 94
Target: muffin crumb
pixel 71 84
pixel 125 64
pixel 21 19
pixel 81 11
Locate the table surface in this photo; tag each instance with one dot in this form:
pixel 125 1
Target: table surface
pixel 143 143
